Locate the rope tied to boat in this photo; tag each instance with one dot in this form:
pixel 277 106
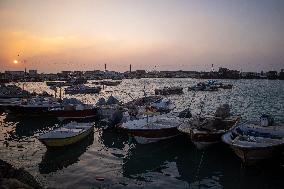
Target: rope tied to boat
pixel 199 166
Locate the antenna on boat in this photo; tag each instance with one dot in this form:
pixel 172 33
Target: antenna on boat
pixel 202 106
pixel 55 92
pixel 60 93
pixel 199 167
pixel 129 95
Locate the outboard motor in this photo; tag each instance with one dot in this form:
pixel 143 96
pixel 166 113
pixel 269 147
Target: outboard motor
pixel 223 111
pixel 266 120
pixel 101 102
pixel 185 113
pixel 111 100
pixel 125 116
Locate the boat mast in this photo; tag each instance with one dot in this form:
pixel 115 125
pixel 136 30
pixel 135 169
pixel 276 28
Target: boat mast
pixel 147 104
pixel 60 93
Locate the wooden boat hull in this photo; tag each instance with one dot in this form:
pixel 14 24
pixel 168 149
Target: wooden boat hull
pixel 203 139
pixel 203 145
pixel 61 142
pixel 144 140
pixel 145 136
pixel 26 111
pixel 251 156
pixel 253 143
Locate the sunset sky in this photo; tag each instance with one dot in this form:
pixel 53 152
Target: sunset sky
pixel 57 35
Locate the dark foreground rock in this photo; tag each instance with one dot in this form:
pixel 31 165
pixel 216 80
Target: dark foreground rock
pixel 11 178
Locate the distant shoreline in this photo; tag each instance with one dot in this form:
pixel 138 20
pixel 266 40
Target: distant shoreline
pixel 222 73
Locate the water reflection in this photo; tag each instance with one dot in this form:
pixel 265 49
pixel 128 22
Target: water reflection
pixel 204 168
pixel 114 139
pixel 25 128
pixel 215 167
pixel 141 159
pixel 219 167
pixel 57 159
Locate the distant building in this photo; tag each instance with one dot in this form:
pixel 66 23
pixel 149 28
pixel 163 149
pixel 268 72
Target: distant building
pixel 15 73
pixel 225 73
pixel 66 73
pixel 281 74
pixel 272 75
pixel 77 73
pixel 49 77
pixel 2 75
pixel 250 75
pixel 32 73
pixel 140 73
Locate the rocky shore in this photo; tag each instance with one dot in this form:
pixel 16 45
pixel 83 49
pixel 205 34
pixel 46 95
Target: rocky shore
pixel 11 178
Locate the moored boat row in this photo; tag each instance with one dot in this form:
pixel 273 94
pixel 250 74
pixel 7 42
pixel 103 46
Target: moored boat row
pixel 150 119
pixel 251 142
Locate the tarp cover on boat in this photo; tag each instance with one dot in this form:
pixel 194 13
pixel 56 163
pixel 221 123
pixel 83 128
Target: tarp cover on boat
pixel 112 100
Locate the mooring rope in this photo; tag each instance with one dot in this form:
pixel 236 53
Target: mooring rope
pixel 199 167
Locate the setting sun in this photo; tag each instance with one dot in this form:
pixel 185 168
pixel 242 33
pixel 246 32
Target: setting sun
pixel 15 62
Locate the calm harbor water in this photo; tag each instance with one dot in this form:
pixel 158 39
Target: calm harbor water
pixel 122 163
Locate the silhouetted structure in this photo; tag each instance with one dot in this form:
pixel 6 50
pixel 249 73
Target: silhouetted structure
pixel 281 74
pixel 225 73
pixel 272 75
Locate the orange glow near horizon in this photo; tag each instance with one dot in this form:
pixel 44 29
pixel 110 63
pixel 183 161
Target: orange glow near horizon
pixel 15 62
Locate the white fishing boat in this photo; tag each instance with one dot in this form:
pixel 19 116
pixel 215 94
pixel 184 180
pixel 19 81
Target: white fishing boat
pixel 252 141
pixel 73 109
pixel 219 84
pixel 203 87
pixel 163 105
pixel 12 91
pixel 153 103
pixel 152 128
pixel 143 101
pixel 109 111
pixel 67 134
pixel 36 106
pixel 82 89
